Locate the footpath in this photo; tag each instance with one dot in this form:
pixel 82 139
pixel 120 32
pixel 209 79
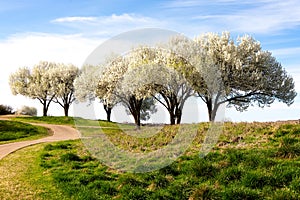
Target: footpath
pixel 60 133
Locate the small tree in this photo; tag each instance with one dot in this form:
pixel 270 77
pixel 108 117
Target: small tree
pixel 63 77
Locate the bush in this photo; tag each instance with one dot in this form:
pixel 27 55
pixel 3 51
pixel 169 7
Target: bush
pixel 6 110
pixel 26 110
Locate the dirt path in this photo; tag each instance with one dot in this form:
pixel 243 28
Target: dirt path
pixel 60 133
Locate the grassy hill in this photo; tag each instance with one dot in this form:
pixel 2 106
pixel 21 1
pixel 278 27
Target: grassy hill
pixel 250 161
pixel 11 131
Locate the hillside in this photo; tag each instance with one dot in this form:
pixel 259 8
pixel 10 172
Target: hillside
pixel 250 161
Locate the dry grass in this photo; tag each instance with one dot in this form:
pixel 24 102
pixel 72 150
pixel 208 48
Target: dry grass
pixel 17 180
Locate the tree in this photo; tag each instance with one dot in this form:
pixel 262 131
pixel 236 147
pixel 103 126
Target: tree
pixel 110 88
pixel 36 83
pixel 86 85
pixel 63 77
pixel 162 74
pixel 245 74
pixel 5 110
pixel 26 110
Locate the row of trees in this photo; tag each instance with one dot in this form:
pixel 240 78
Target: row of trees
pixel 213 67
pixel 47 82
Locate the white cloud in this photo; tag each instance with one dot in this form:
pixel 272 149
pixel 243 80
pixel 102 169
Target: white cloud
pixel 74 19
pixel 112 24
pixel 261 16
pixel 270 17
pixel 293 51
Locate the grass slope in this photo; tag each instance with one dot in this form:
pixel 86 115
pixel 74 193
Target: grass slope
pixel 263 164
pixel 12 131
pixel 73 121
pixel 48 120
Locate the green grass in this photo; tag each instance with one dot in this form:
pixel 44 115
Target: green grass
pixel 73 121
pixel 11 131
pixel 48 120
pixel 265 164
pixel 22 177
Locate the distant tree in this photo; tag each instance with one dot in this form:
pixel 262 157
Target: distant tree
pixel 243 74
pixel 148 108
pixel 37 83
pixel 63 77
pixel 6 110
pixel 26 110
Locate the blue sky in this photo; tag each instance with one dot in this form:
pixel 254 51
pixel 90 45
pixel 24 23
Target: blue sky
pixel 69 30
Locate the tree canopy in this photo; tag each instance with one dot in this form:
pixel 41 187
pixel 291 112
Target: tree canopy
pixel 214 67
pixel 246 74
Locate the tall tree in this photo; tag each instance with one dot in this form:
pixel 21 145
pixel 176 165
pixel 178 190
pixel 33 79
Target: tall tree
pixel 36 83
pixel 63 77
pixel 243 74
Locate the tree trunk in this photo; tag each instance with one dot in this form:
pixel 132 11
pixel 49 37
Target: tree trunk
pixel 178 115
pixel 137 120
pixel 108 111
pixel 45 109
pixel 66 109
pixel 172 118
pixel 209 108
pixel 135 106
pixel 212 110
pixel 175 115
pixel 108 114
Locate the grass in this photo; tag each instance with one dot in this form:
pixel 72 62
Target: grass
pixel 72 121
pixel 12 131
pixel 47 119
pixel 22 177
pixel 264 164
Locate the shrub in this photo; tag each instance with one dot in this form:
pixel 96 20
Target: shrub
pixel 6 110
pixel 26 110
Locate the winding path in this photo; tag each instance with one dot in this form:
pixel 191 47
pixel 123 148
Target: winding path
pixel 60 133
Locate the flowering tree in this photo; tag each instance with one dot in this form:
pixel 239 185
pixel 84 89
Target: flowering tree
pixel 244 74
pixel 109 88
pixel 86 85
pixel 162 74
pixel 63 77
pixel 46 82
pixel 36 83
